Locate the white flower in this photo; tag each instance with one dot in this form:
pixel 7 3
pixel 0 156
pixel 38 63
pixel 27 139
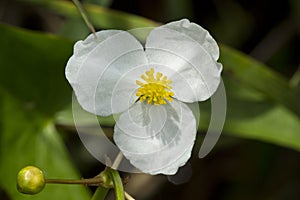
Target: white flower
pixel 149 86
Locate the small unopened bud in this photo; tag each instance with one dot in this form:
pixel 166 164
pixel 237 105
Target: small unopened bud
pixel 30 180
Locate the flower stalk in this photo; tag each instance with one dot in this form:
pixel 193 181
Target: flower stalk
pixel 84 16
pixel 91 181
pixel 31 180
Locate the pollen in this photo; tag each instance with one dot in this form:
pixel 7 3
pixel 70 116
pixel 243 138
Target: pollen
pixel 155 89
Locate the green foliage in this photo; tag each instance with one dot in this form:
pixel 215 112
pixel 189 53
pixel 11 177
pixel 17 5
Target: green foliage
pixel 104 3
pixel 250 115
pixel 29 139
pixel 251 73
pixel 32 89
pixel 261 103
pixel 101 17
pixel 32 68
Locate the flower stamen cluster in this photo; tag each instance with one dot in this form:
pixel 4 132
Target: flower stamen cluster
pixel 156 90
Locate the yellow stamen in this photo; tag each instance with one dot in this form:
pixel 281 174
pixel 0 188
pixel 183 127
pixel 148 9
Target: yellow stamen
pixel 156 89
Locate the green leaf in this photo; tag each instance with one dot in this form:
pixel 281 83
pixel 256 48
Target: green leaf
pixel 105 3
pixel 101 17
pixel 32 68
pixel 32 89
pixel 74 29
pixel 250 115
pixel 250 73
pixel 27 138
pixel 276 125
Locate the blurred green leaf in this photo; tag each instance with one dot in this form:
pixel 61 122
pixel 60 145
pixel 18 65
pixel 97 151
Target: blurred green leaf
pixel 74 29
pixel 295 80
pixel 104 3
pixel 32 68
pixel 101 17
pixel 251 115
pixel 261 104
pixel 33 88
pixel 27 138
pixel 250 73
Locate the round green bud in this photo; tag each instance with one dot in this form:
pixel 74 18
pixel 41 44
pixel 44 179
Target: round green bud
pixel 30 180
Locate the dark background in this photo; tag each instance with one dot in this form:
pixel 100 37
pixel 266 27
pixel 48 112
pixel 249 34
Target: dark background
pixel 237 169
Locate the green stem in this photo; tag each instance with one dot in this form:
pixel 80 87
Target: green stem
pixel 91 181
pixel 118 185
pixel 85 16
pixel 100 193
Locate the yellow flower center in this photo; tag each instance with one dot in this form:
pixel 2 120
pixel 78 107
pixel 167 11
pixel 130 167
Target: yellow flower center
pixel 156 89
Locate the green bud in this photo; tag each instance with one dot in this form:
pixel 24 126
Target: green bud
pixel 30 180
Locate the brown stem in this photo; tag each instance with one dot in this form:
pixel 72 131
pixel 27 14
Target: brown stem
pixel 91 181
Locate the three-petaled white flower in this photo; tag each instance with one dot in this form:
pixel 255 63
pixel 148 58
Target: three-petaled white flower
pixel 150 86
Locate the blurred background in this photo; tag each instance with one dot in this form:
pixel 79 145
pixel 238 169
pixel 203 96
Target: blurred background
pixel 257 156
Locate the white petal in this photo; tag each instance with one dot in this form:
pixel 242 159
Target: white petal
pixel 156 139
pixel 97 65
pixel 81 51
pixel 189 50
pixel 172 169
pixel 197 33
